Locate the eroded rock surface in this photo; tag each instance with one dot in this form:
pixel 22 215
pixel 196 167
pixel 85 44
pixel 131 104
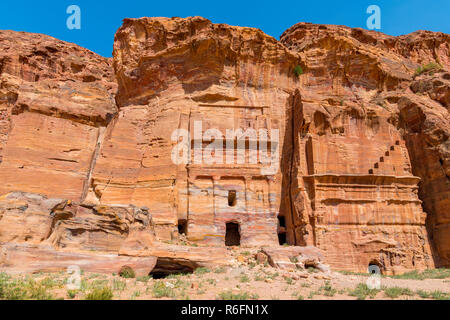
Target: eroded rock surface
pixel 55 100
pixel 363 166
pixel 355 178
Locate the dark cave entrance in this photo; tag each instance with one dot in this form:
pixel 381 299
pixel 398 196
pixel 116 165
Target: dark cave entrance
pixel 281 230
pixel 182 226
pixel 232 235
pixel 166 266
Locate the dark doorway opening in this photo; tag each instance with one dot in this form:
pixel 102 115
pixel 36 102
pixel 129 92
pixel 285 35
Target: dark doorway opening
pixel 281 230
pixel 182 226
pixel 282 238
pixel 232 235
pixel 232 200
pixel 375 267
pixel 165 267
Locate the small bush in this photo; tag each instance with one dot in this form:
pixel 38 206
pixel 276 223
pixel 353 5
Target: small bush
pixel 160 290
pixel 293 259
pixel 423 294
pixel 72 293
pixel 127 272
pixel 327 289
pixel 244 278
pixel 298 70
pixel 432 66
pixel 362 291
pixel 119 285
pixel 441 273
pixel 395 292
pixel 104 293
pixel 312 270
pixel 439 295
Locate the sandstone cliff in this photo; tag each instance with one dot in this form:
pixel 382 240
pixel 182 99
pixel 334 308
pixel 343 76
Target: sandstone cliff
pixel 363 171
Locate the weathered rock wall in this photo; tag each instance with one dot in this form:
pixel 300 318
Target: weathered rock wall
pixel 173 73
pixel 55 99
pixel 363 152
pixel 355 161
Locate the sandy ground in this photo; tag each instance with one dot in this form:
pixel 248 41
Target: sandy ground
pixel 246 279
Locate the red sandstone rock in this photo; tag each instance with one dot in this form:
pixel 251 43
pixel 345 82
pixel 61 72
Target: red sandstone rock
pixel 364 151
pixel 55 99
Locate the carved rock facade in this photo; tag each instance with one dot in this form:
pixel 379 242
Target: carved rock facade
pixel 358 151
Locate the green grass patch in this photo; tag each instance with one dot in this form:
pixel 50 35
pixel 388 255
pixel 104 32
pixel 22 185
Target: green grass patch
pixel 23 289
pixel 143 279
pixel 103 293
pixel 327 289
pixel 432 66
pixel 362 291
pixel 441 273
pixel 160 290
pixel 244 278
pixel 229 295
pixel 395 292
pixel 202 270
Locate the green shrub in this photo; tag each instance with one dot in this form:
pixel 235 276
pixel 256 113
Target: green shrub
pixel 395 292
pixel 119 285
pixel 160 290
pixel 432 66
pixel 439 295
pixel 72 293
pixel 103 293
pixel 298 70
pixel 423 294
pixel 441 273
pixel 23 289
pixel 312 270
pixel 244 278
pixel 143 279
pixel 293 259
pixel 127 272
pixel 327 289
pixel 362 291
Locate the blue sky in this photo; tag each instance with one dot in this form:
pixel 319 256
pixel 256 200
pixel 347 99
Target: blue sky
pixel 100 18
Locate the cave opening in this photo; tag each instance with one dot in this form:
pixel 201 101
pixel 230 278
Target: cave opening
pixel 166 267
pixel 281 230
pixel 182 226
pixel 232 235
pixel 232 200
pixel 374 267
